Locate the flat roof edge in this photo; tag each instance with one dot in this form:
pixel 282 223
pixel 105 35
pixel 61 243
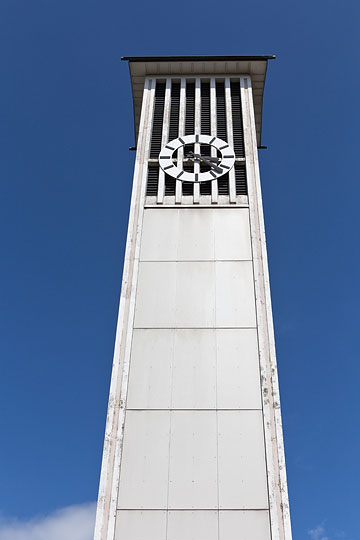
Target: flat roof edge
pixel 141 67
pixel 195 58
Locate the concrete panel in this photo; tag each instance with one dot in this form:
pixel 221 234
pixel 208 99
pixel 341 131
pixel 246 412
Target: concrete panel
pixel 197 525
pixel 196 235
pixel 194 373
pixel 195 294
pixel 193 463
pixel 235 300
pixel 144 466
pixel 242 470
pixel 179 368
pixel 140 525
pixel 155 301
pixel 151 369
pixel 232 234
pixel 159 240
pixel 244 525
pixel 238 373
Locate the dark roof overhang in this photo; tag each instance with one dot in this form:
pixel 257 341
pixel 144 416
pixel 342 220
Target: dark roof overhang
pixel 171 66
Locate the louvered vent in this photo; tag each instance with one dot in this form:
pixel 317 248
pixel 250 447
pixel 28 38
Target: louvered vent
pixel 205 188
pixel 174 111
pixel 238 132
pixel 188 187
pixel 223 184
pixel 158 120
pixel 221 111
pixel 240 179
pixel 205 108
pixel 170 183
pixel 190 108
pixel 152 179
pixel 187 149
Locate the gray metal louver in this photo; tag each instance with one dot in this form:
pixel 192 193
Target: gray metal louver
pixel 152 179
pixel 174 111
pixel 205 108
pixel 159 184
pixel 157 127
pixel 223 184
pixel 170 184
pixel 238 132
pixel 240 179
pixel 221 111
pixel 188 188
pixel 190 108
pixel 205 188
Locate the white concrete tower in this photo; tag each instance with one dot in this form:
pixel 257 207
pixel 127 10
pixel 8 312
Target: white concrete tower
pixel 193 445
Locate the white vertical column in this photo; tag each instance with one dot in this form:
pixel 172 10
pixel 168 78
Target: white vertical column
pixel 197 133
pixel 131 277
pixel 180 154
pixel 274 446
pixel 213 127
pixel 164 138
pixel 110 468
pixel 230 137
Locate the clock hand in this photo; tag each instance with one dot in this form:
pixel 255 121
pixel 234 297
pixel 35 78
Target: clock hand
pixel 212 165
pixel 209 158
pixel 207 161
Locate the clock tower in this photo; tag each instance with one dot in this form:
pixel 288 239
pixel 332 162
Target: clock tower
pixel 193 445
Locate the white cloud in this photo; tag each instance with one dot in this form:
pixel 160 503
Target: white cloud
pixel 70 523
pixel 315 534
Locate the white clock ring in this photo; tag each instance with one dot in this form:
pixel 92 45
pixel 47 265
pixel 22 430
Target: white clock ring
pixel 218 167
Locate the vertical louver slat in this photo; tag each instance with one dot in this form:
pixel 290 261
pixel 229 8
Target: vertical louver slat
pixel 221 111
pixel 190 108
pixel 238 132
pixel 174 111
pixel 240 179
pixel 156 135
pixel 205 108
pixel 152 179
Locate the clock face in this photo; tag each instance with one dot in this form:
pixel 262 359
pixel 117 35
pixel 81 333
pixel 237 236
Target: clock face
pixel 214 157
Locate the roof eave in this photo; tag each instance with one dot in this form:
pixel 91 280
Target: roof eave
pixel 198 58
pixel 174 66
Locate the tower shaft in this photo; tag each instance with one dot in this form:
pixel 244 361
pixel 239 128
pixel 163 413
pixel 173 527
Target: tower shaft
pixel 193 445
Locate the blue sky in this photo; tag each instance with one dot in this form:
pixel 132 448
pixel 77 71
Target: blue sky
pixel 66 125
